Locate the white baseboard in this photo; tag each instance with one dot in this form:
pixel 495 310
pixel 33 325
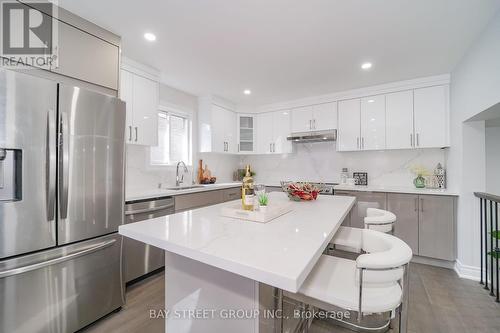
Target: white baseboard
pixel 467 272
pixel 433 262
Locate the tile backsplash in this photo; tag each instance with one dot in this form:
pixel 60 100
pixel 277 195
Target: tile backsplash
pixel 322 163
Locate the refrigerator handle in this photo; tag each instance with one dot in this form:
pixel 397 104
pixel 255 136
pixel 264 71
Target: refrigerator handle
pixel 64 165
pixel 42 264
pixel 50 168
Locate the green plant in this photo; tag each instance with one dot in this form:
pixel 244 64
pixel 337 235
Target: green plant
pixel 263 199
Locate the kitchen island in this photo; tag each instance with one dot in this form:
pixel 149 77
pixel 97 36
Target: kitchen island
pixel 214 264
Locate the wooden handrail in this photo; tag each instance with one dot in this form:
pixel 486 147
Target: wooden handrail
pixel 487 196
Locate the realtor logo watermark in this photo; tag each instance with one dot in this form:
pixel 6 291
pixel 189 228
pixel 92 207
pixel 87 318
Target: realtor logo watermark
pixel 29 34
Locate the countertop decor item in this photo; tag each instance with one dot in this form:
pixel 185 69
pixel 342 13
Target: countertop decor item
pixel 263 202
pixel 361 178
pixel 344 175
pixel 207 177
pixel 301 191
pixel 420 171
pixel 273 211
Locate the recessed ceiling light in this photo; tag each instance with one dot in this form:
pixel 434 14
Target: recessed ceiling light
pixel 371 100
pixel 366 65
pixel 247 91
pixel 150 37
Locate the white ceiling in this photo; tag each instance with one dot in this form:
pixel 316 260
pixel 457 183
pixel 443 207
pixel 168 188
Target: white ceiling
pixel 287 49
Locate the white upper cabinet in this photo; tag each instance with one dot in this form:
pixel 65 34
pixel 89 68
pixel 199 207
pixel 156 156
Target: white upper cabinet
pixel 141 97
pixel 431 117
pixel 246 133
pixel 349 123
pixel 219 122
pixel 272 130
pixel 407 119
pixel 281 130
pixel 372 123
pixel 399 120
pixel 301 119
pixel 217 128
pixel 314 118
pixel 325 116
pixel 264 133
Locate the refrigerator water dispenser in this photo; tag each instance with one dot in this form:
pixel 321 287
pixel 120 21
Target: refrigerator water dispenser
pixel 10 175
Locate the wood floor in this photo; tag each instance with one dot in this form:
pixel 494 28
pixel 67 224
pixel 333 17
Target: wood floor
pixel 440 302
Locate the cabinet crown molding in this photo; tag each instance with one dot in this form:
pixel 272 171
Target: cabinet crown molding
pixel 385 88
pixel 140 69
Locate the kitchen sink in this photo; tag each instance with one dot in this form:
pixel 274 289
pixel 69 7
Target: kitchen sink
pixel 178 188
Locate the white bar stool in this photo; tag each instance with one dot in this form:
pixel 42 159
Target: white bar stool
pixel 380 220
pixel 376 282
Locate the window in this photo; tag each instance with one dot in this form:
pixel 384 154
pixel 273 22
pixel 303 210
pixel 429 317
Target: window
pixel 174 139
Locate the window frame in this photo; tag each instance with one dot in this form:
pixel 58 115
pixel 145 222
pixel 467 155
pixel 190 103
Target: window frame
pixel 169 111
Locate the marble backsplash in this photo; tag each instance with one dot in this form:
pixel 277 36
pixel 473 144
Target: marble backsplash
pixel 320 162
pixel 141 175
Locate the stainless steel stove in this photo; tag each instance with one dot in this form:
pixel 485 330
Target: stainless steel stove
pixel 328 188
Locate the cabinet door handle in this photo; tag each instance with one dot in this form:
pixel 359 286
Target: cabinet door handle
pixel 363 143
pixel 411 140
pixel 274 147
pixel 310 124
pixel 130 133
pixel 136 135
pixel 416 204
pixel 418 140
pixel 422 205
pixel 270 147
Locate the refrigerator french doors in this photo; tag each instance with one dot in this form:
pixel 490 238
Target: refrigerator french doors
pixel 61 202
pixel 91 168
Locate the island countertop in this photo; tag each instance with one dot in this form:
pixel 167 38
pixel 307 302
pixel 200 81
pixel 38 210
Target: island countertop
pixel 280 253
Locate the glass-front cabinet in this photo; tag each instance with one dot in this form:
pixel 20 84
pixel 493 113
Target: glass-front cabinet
pixel 246 133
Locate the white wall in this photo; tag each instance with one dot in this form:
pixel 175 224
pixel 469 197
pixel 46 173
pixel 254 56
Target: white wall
pixel 475 87
pixel 322 163
pixel 141 175
pixel 493 159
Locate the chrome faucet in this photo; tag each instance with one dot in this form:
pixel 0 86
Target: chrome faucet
pixel 179 181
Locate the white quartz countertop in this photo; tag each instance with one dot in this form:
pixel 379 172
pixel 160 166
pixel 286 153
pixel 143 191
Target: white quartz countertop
pixel 395 189
pixel 280 253
pixel 158 193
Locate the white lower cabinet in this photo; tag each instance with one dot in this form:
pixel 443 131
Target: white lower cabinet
pixel 273 128
pixel 141 97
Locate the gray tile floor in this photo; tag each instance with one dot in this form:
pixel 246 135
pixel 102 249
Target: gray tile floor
pixel 440 302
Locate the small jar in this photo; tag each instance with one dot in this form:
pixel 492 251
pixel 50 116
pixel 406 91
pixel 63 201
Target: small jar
pixel 343 176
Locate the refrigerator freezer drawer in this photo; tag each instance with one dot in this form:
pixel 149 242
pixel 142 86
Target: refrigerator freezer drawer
pixel 63 289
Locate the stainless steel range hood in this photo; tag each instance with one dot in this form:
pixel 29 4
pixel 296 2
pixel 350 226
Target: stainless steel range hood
pixel 318 136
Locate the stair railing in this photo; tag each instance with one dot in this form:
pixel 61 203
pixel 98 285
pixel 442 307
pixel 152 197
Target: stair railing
pixel 490 235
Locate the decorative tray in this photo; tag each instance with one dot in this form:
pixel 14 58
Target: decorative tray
pixel 273 211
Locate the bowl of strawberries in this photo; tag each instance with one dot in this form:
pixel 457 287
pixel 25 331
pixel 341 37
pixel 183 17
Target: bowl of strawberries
pixel 301 191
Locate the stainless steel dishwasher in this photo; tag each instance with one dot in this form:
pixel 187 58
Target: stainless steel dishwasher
pixel 139 258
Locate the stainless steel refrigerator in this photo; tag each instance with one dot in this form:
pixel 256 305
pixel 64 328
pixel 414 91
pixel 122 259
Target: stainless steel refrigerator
pixel 61 202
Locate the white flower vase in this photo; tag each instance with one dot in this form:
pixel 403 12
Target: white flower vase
pixel 262 209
